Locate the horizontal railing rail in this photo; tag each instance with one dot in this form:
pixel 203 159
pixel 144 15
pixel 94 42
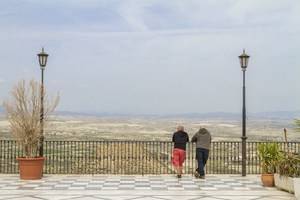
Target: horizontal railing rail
pixel 134 157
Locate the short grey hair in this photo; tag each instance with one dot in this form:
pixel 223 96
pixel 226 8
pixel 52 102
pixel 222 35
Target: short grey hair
pixel 180 128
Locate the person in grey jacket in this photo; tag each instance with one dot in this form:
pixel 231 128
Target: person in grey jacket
pixel 203 141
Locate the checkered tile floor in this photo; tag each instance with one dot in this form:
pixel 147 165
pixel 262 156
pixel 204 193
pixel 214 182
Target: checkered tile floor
pixel 164 187
pixel 130 183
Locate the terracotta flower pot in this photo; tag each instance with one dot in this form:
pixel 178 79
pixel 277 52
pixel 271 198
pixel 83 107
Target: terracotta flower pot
pixel 31 168
pixel 267 180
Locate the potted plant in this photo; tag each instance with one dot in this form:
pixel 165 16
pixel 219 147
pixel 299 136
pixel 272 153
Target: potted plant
pixel 269 155
pixel 23 113
pixel 288 176
pixel 288 169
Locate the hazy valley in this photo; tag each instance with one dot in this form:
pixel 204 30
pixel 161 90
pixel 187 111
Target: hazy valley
pixel 69 127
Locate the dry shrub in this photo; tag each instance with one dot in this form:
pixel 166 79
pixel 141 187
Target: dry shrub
pixel 23 113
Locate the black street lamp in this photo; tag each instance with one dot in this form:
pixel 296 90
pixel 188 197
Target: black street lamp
pixel 244 63
pixel 43 61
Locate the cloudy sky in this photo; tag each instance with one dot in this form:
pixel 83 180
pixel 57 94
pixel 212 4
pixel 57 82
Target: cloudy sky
pixel 155 56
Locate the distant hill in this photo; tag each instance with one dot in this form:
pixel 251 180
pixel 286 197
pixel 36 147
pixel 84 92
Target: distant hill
pixel 279 115
pixel 284 115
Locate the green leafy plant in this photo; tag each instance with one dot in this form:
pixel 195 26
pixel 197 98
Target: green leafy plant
pixel 270 155
pixel 289 165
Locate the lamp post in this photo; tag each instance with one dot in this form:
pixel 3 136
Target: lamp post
pixel 43 61
pixel 244 63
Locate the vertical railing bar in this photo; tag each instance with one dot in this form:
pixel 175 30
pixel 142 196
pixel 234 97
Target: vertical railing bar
pixel 256 160
pixel 159 157
pixel 101 155
pixel 146 166
pixel 223 166
pixel 65 158
pixel 72 161
pixel 122 158
pixel 105 153
pixel 210 171
pixel 112 146
pixel 9 156
pixel 49 157
pixel 138 153
pixel 248 156
pixel 218 157
pixel 122 163
pixel 110 150
pixel 13 158
pixel 131 157
pixel 168 156
pixel 252 159
pixel 128 171
pixel 95 158
pixel 152 156
pixel 213 157
pixel 107 158
pixel 117 162
pixel 45 170
pixel 5 157
pixel 84 151
pixel 86 157
pixel 223 161
pixel 70 158
pixel 231 163
pixel 102 158
pixel 77 150
pixel 61 156
pixel 225 157
pixel 55 149
pixel 54 158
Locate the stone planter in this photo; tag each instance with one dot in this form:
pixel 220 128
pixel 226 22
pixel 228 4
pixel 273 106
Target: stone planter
pixel 289 184
pixel 297 187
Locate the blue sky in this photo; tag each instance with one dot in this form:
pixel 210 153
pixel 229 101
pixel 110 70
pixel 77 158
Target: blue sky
pixel 155 56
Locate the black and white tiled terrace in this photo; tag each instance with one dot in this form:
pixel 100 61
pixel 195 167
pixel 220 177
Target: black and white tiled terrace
pixel 107 187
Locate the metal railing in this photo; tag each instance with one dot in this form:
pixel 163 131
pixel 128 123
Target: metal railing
pixel 134 157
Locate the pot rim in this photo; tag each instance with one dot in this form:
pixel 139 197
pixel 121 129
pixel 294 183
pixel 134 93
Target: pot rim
pixel 30 158
pixel 267 174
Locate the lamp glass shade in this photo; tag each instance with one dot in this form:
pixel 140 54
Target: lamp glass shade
pixel 43 58
pixel 244 58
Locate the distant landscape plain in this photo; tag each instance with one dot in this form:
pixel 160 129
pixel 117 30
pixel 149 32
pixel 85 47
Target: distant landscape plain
pixel 160 128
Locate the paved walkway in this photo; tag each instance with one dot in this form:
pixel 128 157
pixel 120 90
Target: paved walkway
pixel 163 187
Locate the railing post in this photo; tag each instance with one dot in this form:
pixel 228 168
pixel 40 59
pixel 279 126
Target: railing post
pixel 244 157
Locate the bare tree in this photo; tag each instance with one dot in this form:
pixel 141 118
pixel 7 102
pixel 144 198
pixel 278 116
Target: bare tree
pixel 23 113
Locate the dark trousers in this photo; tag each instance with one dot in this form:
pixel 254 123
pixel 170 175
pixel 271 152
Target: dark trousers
pixel 201 156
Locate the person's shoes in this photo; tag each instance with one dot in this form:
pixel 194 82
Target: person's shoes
pixel 196 174
pixel 202 177
pixel 179 176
